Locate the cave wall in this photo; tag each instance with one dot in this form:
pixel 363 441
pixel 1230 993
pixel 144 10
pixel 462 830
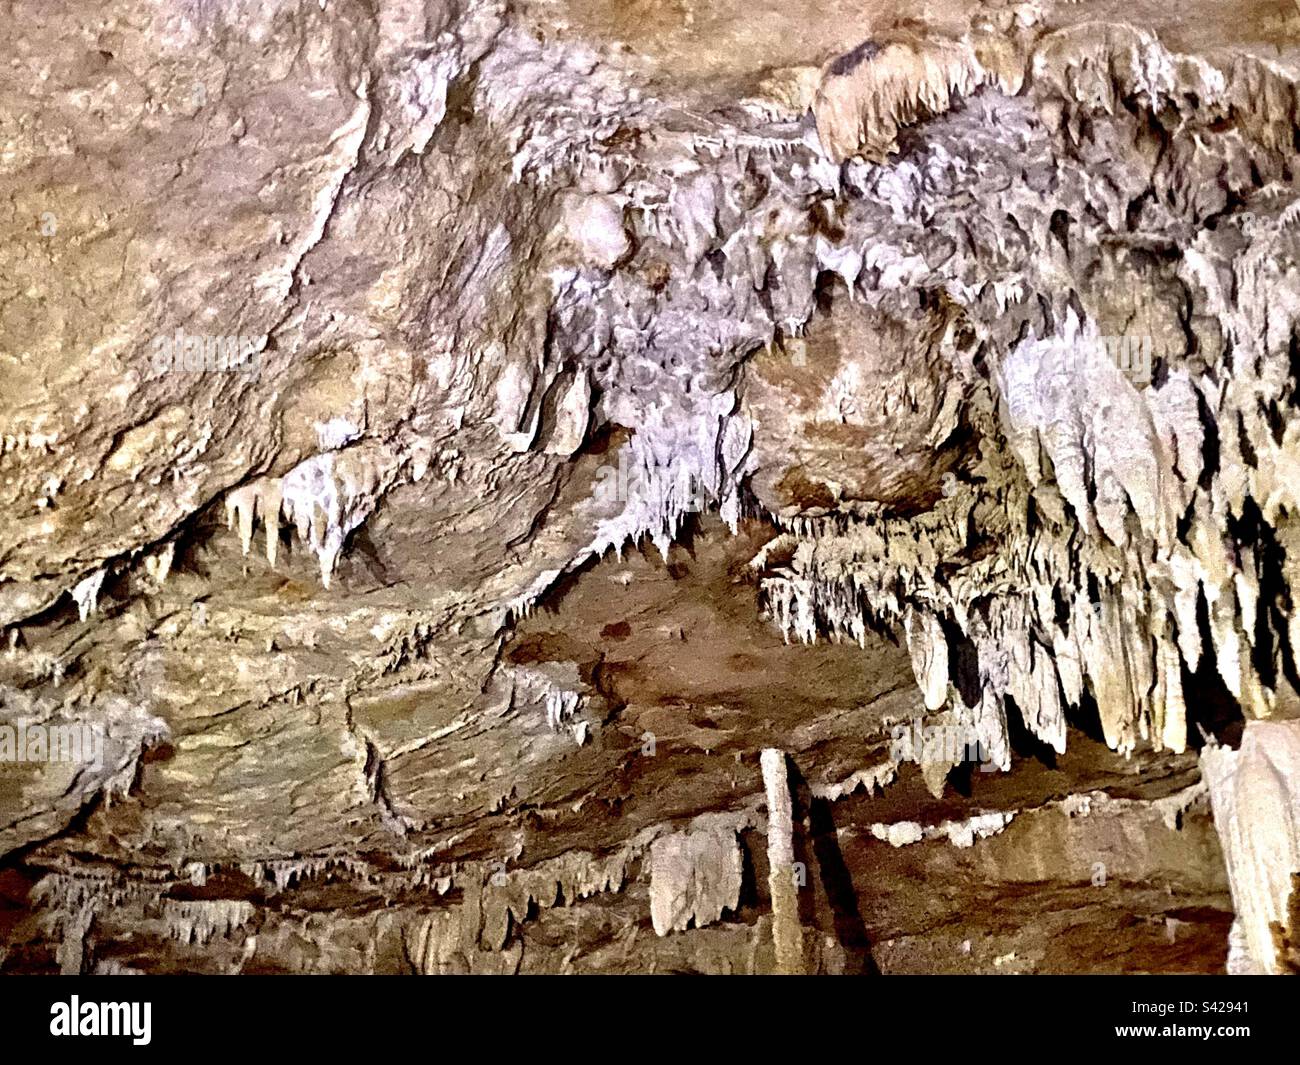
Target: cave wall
pixel 445 441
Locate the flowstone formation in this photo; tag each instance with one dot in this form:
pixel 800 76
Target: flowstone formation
pixel 693 452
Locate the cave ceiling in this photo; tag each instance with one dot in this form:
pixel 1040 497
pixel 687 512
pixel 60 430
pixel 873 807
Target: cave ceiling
pixel 444 443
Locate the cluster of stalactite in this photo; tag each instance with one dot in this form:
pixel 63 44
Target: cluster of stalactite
pixel 1105 539
pixel 1116 534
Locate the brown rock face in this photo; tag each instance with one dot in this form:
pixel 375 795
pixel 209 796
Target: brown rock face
pixel 589 486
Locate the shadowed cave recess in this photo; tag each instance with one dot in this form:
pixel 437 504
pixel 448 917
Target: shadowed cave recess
pixel 633 486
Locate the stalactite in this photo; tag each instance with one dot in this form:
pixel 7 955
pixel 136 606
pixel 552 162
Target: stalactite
pixel 1253 792
pixel 158 565
pixel 324 498
pixel 929 649
pixel 198 922
pixel 86 593
pixel 695 877
pixel 867 94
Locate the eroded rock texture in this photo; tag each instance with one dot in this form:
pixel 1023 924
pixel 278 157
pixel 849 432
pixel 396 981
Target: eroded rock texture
pixel 444 442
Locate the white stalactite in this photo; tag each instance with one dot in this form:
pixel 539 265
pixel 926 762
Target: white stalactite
pixel 1255 796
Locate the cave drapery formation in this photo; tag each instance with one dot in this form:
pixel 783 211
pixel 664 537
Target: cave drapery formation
pixel 647 412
